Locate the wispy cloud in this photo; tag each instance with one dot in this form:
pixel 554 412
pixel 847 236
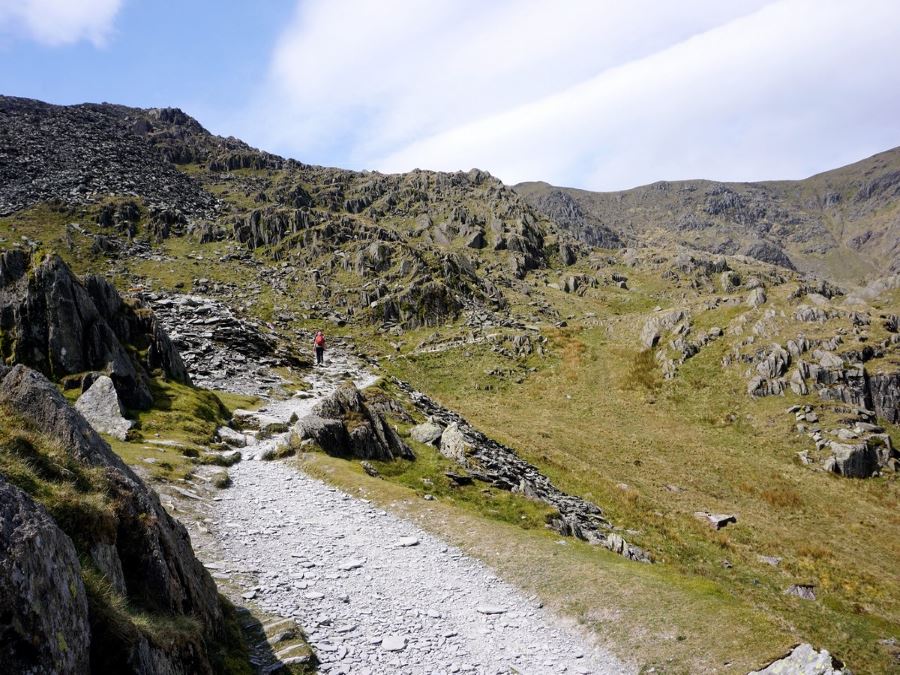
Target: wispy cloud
pixel 598 94
pixel 56 23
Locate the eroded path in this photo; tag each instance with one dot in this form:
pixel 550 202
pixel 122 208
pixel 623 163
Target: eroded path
pixel 375 593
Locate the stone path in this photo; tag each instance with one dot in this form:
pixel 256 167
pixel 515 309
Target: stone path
pixel 375 593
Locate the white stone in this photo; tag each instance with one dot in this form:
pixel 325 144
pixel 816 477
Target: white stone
pixel 101 408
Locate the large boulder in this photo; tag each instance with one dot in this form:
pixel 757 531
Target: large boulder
pixel 856 460
pixel 427 432
pixel 453 444
pixel 55 323
pixel 45 626
pixel 101 408
pixel 153 551
pixel 344 425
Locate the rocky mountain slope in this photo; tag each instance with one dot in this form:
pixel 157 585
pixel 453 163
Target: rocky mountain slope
pixel 539 357
pixel 841 224
pixel 93 568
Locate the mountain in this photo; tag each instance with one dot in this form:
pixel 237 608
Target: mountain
pixel 841 224
pixel 669 413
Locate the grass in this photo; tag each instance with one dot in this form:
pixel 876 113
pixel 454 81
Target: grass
pixel 174 433
pixel 607 420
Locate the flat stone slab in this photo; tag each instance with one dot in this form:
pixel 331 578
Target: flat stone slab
pixel 393 643
pixel 351 564
pixel 490 609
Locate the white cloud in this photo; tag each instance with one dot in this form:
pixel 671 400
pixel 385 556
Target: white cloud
pixel 601 95
pixel 59 22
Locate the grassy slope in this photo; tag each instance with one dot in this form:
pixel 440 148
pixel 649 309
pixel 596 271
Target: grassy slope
pixel 599 421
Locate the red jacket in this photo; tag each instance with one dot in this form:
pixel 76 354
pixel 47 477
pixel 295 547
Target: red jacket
pixel 319 341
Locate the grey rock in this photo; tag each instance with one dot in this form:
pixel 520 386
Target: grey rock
pixel 46 627
pixel 453 444
pixel 804 660
pixel 427 432
pixel 756 298
pixel 393 643
pixel 344 425
pixel 101 408
pixel 715 520
pixel 802 591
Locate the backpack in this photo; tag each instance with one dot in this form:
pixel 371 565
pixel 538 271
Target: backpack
pixel 320 340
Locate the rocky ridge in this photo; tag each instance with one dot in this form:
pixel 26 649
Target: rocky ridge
pixel 499 466
pixel 72 330
pixel 793 224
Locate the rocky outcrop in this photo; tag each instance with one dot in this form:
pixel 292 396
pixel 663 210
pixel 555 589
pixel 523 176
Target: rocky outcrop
pixel 45 627
pixel 499 466
pixel 884 395
pixel 344 425
pixel 62 326
pixel 135 544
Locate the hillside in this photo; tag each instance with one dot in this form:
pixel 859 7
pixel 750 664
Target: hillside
pixel 653 430
pixel 842 225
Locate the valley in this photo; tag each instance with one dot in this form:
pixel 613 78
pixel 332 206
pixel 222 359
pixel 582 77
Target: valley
pixel 665 445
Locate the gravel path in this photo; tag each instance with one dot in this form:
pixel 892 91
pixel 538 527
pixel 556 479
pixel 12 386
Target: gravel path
pixel 375 593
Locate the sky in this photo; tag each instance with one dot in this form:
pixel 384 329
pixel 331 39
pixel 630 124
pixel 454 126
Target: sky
pixel 597 94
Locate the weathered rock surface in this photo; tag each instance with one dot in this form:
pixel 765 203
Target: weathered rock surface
pixel 427 432
pixel 346 426
pixel 61 326
pixel 45 627
pixel 101 408
pixel 150 550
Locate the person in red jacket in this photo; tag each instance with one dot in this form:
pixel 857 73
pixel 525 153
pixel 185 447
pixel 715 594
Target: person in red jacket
pixel 319 343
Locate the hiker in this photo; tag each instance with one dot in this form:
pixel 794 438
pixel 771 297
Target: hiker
pixel 319 342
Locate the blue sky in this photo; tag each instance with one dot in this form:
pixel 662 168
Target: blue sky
pixel 599 94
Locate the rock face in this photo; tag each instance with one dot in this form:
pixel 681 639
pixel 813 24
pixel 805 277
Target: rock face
pixel 54 323
pixel 346 426
pixel 44 606
pixel 140 547
pixel 101 408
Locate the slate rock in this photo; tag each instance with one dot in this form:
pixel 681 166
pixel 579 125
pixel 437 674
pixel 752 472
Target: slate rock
pixel 45 611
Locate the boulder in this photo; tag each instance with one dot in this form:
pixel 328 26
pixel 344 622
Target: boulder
pixel 804 660
pixel 756 298
pixel 101 408
pixel 344 425
pixel 427 432
pixel 856 460
pixel 453 444
pixel 716 520
pixel 45 626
